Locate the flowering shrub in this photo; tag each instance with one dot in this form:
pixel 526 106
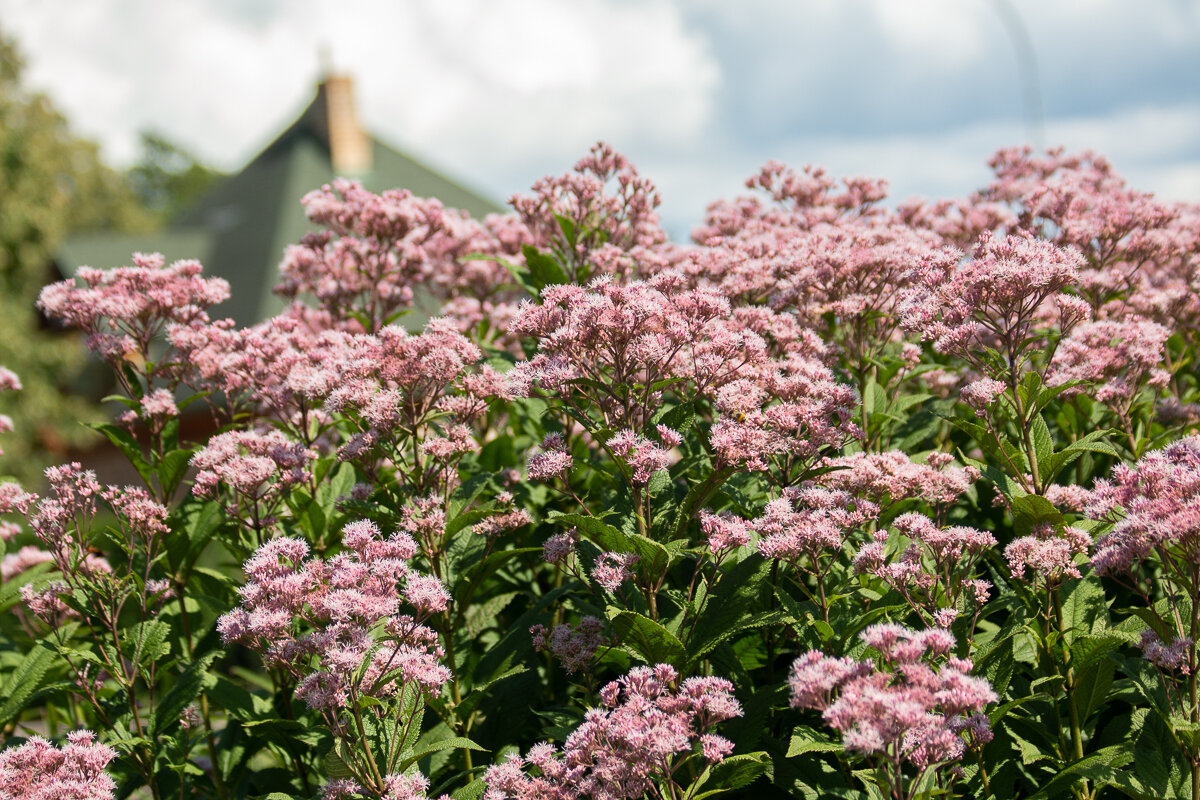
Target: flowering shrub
pixel 841 500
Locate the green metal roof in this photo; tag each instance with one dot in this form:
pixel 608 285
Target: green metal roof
pixel 240 228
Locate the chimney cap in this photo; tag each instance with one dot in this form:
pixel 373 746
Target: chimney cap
pixel 334 118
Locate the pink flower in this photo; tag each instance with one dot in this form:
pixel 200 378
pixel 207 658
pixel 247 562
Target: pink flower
pixel 9 380
pixel 893 475
pixel 327 621
pixel 641 733
pixel 613 569
pixel 1048 553
pixel 553 461
pixel 573 645
pixel 159 403
pixel 724 531
pixel 643 457
pixel 982 393
pixel 1118 358
pixel 37 769
pixel 558 548
pixel 910 706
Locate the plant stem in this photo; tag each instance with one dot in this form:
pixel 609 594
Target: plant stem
pixel 1069 686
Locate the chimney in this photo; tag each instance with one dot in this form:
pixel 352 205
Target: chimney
pixel 349 145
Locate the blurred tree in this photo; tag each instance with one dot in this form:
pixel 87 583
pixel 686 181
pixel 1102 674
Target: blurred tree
pixel 167 178
pixel 52 183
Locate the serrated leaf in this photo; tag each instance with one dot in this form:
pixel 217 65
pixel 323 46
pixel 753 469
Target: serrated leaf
pixel 185 689
pixel 472 791
pixel 544 270
pixel 147 641
pixel 1096 767
pixel 652 556
pixel 1043 442
pixel 734 772
pixel 452 743
pixel 29 675
pixel 481 616
pixel 647 638
pixel 123 440
pixel 1031 510
pixel 172 468
pixel 809 740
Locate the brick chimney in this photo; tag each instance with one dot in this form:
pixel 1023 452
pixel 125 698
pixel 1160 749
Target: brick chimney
pixel 349 145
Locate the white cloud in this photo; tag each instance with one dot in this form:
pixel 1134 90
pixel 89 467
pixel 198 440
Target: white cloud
pixel 697 92
pixel 532 77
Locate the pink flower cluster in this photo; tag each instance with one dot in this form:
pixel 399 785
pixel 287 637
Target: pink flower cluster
pixel 1049 553
pixel 647 725
pixel 934 570
pixel 37 770
pixel 256 469
pixel 1155 506
pixel 605 224
pixel 363 267
pixel 282 368
pixel 725 531
pixel 553 461
pixel 894 477
pixel 395 787
pixel 994 295
pixel 787 416
pixel 809 522
pixel 915 705
pixel 396 384
pixel 1118 358
pixel 573 645
pixel 62 521
pixel 125 310
pixel 642 456
pixel 337 625
pixel 590 340
pixel 612 569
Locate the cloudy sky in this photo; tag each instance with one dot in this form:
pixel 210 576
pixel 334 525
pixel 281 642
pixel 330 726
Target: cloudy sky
pixel 697 92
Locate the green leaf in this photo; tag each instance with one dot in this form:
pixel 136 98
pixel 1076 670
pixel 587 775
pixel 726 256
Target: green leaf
pixel 647 638
pixel 1043 442
pixel 123 440
pixel 29 675
pixel 1092 685
pixel 147 641
pixel 1084 608
pixel 472 791
pixel 452 743
pixel 1097 767
pixel 466 493
pixel 567 226
pixel 544 270
pixel 652 556
pixel 1093 442
pixel 172 468
pixel 731 609
pixel 874 399
pixel 810 740
pixel 336 766
pixel 336 485
pixel 10 590
pixel 734 772
pixel 997 666
pixel 481 616
pixel 185 689
pixel 678 418
pixel 1032 510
